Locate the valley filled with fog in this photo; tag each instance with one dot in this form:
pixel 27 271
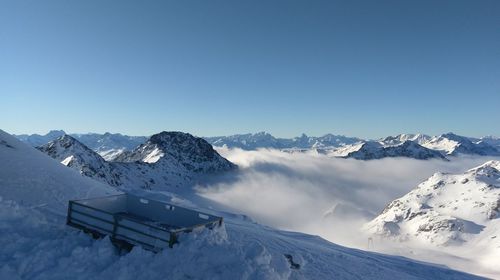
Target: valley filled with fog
pixel 330 197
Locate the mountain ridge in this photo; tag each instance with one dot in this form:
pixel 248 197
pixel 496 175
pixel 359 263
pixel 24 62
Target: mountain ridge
pixel 118 146
pixel 173 167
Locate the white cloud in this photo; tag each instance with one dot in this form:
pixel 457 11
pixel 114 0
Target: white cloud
pixel 294 191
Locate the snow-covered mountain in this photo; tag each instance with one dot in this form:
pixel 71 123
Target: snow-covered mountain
pixel 452 144
pixel 36 140
pixel 32 178
pixel 491 140
pixel 376 150
pixel 108 145
pixel 417 146
pixel 447 210
pixel 265 140
pixel 36 243
pixel 401 138
pixel 79 157
pixel 392 146
pixel 118 146
pixel 167 159
pixel 193 153
pixel 246 141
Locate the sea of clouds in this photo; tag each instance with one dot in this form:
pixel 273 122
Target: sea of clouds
pixel 321 195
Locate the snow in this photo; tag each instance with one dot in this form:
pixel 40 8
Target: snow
pixel 454 213
pixel 453 144
pixel 265 140
pixel 153 156
pixel 108 145
pixel 115 146
pixel 110 154
pixel 36 243
pixel 160 165
pixel 68 160
pixel 32 178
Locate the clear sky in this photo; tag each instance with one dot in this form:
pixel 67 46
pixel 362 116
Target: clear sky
pixel 360 68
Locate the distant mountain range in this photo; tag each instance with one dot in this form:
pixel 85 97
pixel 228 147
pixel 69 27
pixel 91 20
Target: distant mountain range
pixel 166 159
pixel 107 145
pixel 418 146
pixel 265 140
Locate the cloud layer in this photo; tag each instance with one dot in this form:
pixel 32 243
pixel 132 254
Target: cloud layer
pixel 317 194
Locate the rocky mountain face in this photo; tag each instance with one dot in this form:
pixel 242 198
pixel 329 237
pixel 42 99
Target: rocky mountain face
pixel 167 159
pixel 75 155
pixel 194 154
pixel 447 209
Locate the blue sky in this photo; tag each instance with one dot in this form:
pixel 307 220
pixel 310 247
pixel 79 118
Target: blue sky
pixel 360 68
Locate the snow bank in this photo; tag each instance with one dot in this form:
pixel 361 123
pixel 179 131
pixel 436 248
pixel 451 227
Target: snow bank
pixel 37 245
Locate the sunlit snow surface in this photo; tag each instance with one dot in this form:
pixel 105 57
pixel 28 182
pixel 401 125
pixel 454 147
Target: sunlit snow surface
pixel 39 246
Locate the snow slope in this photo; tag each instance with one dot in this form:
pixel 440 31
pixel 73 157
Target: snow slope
pixel 32 178
pixel 37 246
pixel 457 213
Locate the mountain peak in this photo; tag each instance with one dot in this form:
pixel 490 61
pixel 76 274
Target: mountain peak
pixel 55 132
pixel 169 137
pixel 453 136
pixel 445 209
pixel 65 142
pixel 490 169
pixel 194 153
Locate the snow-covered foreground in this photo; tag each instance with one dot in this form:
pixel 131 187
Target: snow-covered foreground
pixel 37 245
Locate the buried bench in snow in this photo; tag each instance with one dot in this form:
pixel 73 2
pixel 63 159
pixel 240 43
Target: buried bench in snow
pixel 132 220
